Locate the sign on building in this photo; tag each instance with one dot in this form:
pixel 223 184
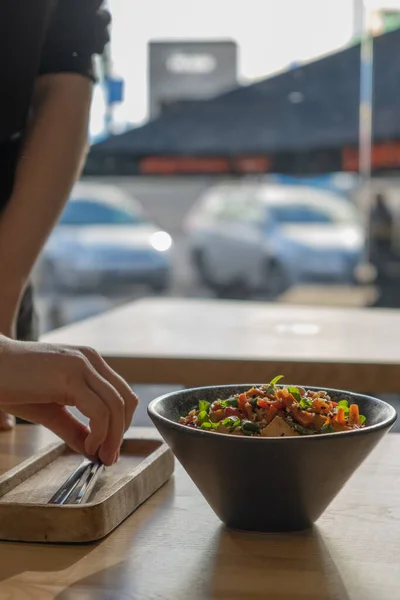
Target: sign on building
pixel 181 72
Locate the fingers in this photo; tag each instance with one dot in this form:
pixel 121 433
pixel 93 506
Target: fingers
pixel 7 421
pixel 129 397
pixel 115 400
pixel 59 420
pixel 114 407
pixel 67 376
pixel 106 428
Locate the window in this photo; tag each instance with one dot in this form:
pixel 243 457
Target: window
pixel 89 212
pixel 240 205
pixel 298 213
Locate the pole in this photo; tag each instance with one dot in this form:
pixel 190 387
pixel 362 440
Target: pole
pixel 365 119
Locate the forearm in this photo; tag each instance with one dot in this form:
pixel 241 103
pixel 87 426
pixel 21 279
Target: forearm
pixel 49 165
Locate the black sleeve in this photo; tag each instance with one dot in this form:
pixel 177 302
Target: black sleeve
pixel 78 29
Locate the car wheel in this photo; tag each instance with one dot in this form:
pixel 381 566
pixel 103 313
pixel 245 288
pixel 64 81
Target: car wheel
pixel 230 290
pixel 276 281
pixel 236 290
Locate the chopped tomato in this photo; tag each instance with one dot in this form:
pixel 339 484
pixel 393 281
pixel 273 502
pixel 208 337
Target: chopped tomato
pixel 242 401
pixel 230 411
pixel 263 403
pixel 271 414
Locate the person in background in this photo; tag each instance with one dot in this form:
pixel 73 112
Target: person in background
pixel 381 227
pixel 46 80
pixel 381 242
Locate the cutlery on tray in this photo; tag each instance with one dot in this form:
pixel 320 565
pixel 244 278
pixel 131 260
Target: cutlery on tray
pixel 79 485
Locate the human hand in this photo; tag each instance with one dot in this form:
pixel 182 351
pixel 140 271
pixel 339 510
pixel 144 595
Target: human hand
pixel 38 381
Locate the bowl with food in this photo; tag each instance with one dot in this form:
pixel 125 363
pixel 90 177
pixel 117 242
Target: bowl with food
pixel 270 457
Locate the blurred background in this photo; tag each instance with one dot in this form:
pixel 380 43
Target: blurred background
pixel 238 150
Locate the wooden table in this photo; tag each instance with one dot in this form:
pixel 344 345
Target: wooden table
pixel 203 342
pixel 174 548
pixel 330 295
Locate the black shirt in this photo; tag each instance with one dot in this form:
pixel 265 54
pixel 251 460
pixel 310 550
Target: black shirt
pixel 39 37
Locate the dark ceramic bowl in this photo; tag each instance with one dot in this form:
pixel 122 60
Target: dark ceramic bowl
pixel 268 484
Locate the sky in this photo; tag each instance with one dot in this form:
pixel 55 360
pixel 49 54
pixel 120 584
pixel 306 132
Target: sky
pixel 271 35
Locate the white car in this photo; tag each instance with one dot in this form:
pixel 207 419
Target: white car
pixel 268 237
pixel 104 241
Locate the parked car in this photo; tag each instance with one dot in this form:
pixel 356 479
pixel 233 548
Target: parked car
pixel 102 241
pixel 269 237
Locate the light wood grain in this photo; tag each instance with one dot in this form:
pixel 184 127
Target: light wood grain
pixel 174 548
pixel 25 515
pixel 204 342
pixel 330 295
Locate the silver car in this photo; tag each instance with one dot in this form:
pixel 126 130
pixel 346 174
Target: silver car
pixel 269 237
pixel 104 241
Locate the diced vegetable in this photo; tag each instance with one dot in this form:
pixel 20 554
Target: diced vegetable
pixel 218 415
pixel 232 412
pixel 230 402
pixel 345 405
pixel 204 405
pixel 354 415
pixel 231 422
pixel 295 393
pixel 248 427
pixel 203 417
pixel 276 380
pixel 340 416
pixel 242 401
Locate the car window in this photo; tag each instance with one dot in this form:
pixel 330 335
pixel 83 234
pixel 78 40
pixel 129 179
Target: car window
pixel 212 204
pixel 89 212
pixel 241 206
pixel 299 213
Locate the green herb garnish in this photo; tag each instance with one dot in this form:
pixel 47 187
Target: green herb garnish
pixel 305 403
pixel 363 418
pixel 203 417
pixel 295 393
pixel 204 406
pixel 276 380
pixel 233 402
pixel 231 422
pixel 207 425
pixel 327 429
pixel 345 405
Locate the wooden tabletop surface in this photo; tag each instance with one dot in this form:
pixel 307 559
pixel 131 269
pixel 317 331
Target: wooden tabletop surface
pixel 202 342
pixel 174 547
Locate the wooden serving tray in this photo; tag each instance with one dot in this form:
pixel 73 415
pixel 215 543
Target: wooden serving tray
pixel 146 463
